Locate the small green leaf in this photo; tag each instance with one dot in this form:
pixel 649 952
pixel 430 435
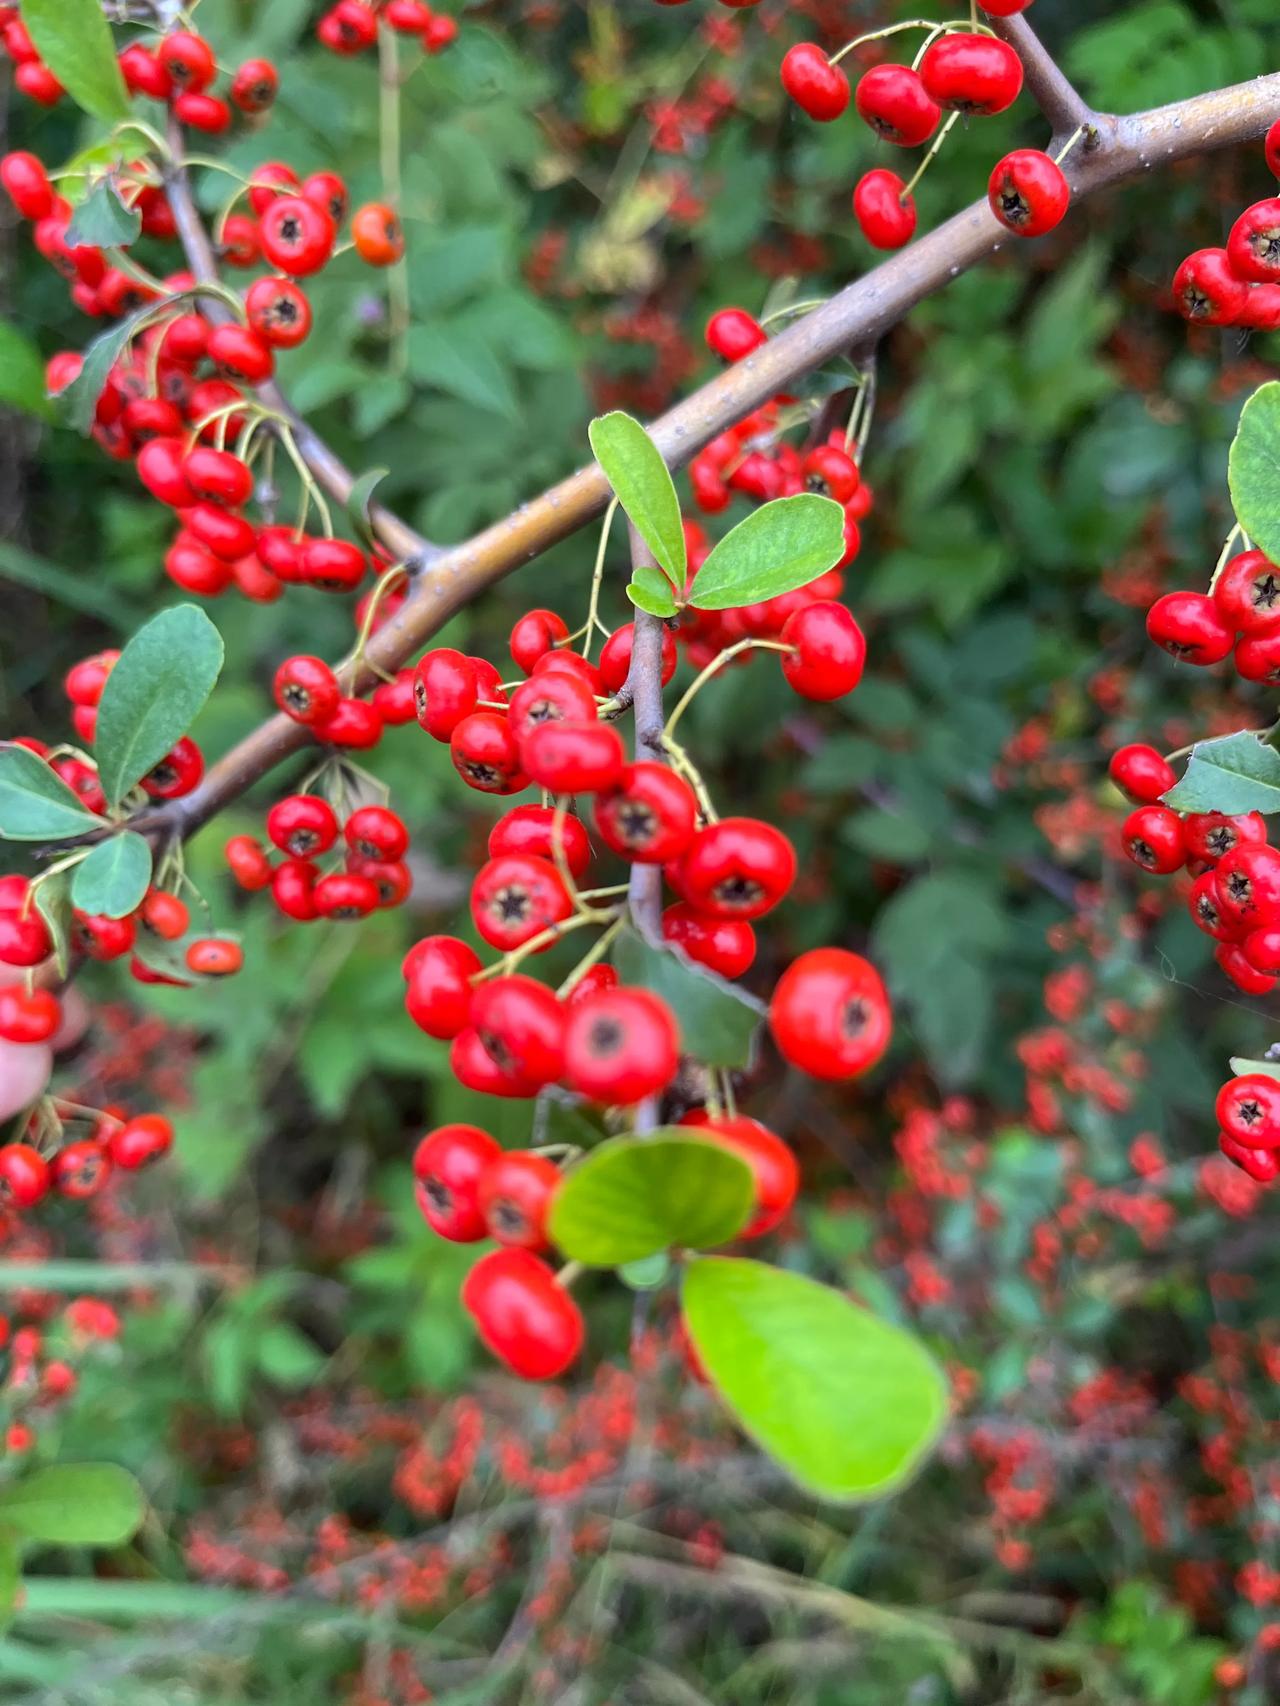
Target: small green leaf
pixel 114 877
pixel 53 903
pixel 74 1504
pixel 169 959
pixel 1254 470
pixel 153 695
pixel 1241 1067
pixel 649 589
pixel 102 221
pixel 21 373
pixel 847 1403
pixel 778 547
pixel 285 1356
pixel 36 804
pixel 359 499
pixel 636 1196
pixel 74 40
pixel 642 482
pixel 718 1021
pixel 79 400
pixel 1233 774
pixel 648 1273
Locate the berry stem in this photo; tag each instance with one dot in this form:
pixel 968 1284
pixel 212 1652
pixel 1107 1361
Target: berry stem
pixel 1224 556
pixel 597 576
pixel 896 29
pixel 593 956
pixel 909 188
pixel 717 663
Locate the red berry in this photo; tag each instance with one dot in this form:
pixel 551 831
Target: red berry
pixel 144 74
pixel 1206 909
pixel 85 680
pixel 345 895
pixel 476 1069
pixel 278 312
pixel 162 470
pixel 24 1176
pixel 81 1169
pixel 886 215
pixel 334 565
pixel 394 700
pixel 515 897
pixel 188 59
pixel 521 1026
pixel 1248 1109
pixel 532 829
pixel 620 1045
pixel 971 73
pixel 214 956
pixel 827 466
pixel 164 915
pixel 573 758
pixel 1152 838
pixel 515 1198
pixel 24 938
pixel 1232 962
pixel 445 691
pixel 830 1014
pixel 438 972
pixel 485 754
pixel 551 696
pixel 448 1165
pixel 534 635
pixel 356 724
pixel 255 85
pixel 1261 948
pixel 1249 884
pixel 201 111
pixel 1271 148
pixel 649 816
pixel 248 863
pixel 218 476
pixel 140 1141
pixel 293 887
pixel 271 179
pixel 102 938
pixel 1254 244
pixel 28 1016
pixel 724 945
pixel 1028 193
pixel 28 185
pixel 526 1319
pixel 1207 290
pixel 829 651
pixel 297 235
pixel 813 83
pixel 615 659
pixel 227 535
pixel 376 832
pixel 737 868
pixel 302 825
pixel 377 234
pixel 893 101
pixel 1212 835
pixel 1247 594
pixel 1141 772
pixel 391 878
pixel 306 689
pixel 329 192
pixel 776 1171
pixel 733 334
pixel 1188 626
pixel 1263 1165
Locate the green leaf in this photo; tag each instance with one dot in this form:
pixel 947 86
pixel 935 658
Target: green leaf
pixel 21 373
pixel 648 1273
pixel 1234 773
pixel 642 482
pixel 79 400
pixel 1254 469
pixel 153 695
pixel 36 804
pixel 636 1196
pixel 114 877
pixel 649 589
pixel 103 221
pixel 74 1504
pixel 847 1403
pixel 1242 1066
pixel 53 903
pixel 457 361
pixel 285 1356
pixel 778 547
pixel 718 1021
pixel 10 1574
pixel 359 499
pixel 74 40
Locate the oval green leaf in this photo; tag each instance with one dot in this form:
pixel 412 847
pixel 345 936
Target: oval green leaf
pixel 778 547
pixel 35 804
pixel 114 876
pixel 74 40
pixel 21 373
pixel 102 221
pixel 642 482
pixel 78 401
pixel 154 694
pixel 649 589
pixel 74 1504
pixel 1233 774
pixel 847 1403
pixel 1254 469
pixel 636 1196
pixel 718 1021
pixel 53 903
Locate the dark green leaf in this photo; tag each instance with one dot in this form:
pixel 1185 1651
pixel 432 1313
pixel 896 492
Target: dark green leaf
pixel 1235 773
pixel 649 589
pixel 636 1196
pixel 642 482
pixel 153 695
pixel 778 547
pixel 459 362
pixel 114 877
pixel 79 400
pixel 848 1404
pixel 21 373
pixel 102 221
pixel 1254 469
pixel 53 903
pixel 359 499
pixel 718 1021
pixel 74 40
pixel 74 1504
pixel 35 804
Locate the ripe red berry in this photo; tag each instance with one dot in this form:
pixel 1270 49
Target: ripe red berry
pixel 1212 835
pixel 886 215
pixel 144 74
pixel 1271 148
pixel 573 758
pixel 84 681
pixel 1189 627
pixel 1261 948
pixel 441 32
pixel 164 915
pixel 24 937
pixel 376 832
pixel 893 101
pixel 830 1014
pixel 302 825
pixel 445 689
pixel 776 1171
pixel 615 659
pixel 1152 838
pixel 649 816
pixel 1233 963
pixel 1248 881
pixel 102 938
pixel 515 1198
pixel 345 895
pixel 620 1045
pixel 1207 290
pixel 140 1141
pixel 448 1165
pixel 24 1176
pixel 550 696
pixel 438 972
pixel 218 476
pixel 533 829
pixel 1141 772
pixel 1028 193
pixel 1254 244
pixel 829 467
pixel 28 185
pixel 815 85
pixel 248 863
pixel 355 724
pixel 297 235
pixel 201 111
pixel 306 689
pixel 971 73
pixel 1247 593
pixel 188 59
pixel 522 1315
pixel 278 312
pixel 391 878
pixel 1263 1165
pixel 377 234
pixel 329 192
pixel 515 897
pixel 737 868
pixel 474 1068
pixel 724 945
pixel 227 535
pixel 28 1016
pixel 733 334
pixel 829 651
pixel 161 467
pixel 255 86
pixel 293 889
pixel 1206 909
pixel 214 956
pixel 485 754
pixel 271 179
pixel 394 700
pixel 534 635
pixel 1248 1109
pixel 521 1026
pixel 81 1169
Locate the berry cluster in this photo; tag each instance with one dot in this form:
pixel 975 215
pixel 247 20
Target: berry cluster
pixel 1238 285
pixel 367 870
pixel 42 1342
pixel 44 1160
pixel 1248 1111
pixel 964 72
pixel 351 27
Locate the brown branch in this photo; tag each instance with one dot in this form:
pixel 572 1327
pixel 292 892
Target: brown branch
pixel 856 315
pixel 1048 85
pixel 330 471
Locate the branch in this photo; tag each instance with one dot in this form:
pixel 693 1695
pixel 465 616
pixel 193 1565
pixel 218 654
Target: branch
pixel 860 313
pixel 331 472
pixel 1051 89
